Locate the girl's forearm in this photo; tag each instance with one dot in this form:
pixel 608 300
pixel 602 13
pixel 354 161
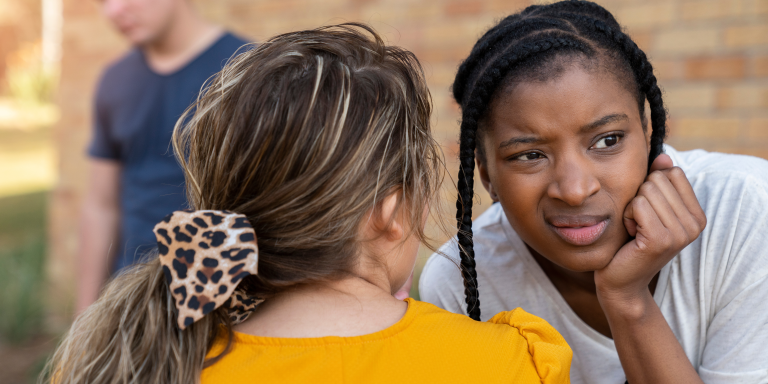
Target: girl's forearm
pixel 648 350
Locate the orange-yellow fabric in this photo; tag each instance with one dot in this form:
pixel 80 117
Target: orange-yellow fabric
pixel 428 345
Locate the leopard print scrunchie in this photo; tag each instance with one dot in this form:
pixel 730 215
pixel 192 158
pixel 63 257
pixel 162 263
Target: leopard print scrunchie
pixel 205 254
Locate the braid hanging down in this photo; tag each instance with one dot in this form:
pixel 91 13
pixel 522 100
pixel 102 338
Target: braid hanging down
pixel 515 47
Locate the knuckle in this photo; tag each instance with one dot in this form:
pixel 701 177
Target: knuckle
pixel 692 229
pixel 666 240
pixel 679 235
pixel 701 219
pixel 656 176
pixel 676 172
pixel 647 188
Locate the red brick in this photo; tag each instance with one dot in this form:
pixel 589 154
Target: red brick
pixel 439 54
pixel 646 14
pixel 463 7
pixel 701 96
pixel 643 40
pixel 743 96
pixel 506 7
pixel 709 128
pixel 758 128
pixel 747 36
pixel 760 66
pixel 688 40
pixel 667 69
pixel 713 67
pixel 712 9
pixel 761 7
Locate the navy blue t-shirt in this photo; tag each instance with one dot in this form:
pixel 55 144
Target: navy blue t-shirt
pixel 136 110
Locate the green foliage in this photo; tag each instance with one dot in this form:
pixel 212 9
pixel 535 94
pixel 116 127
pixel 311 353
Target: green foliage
pixel 28 78
pixel 22 259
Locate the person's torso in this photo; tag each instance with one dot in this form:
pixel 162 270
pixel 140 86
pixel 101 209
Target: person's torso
pixel 140 109
pixel 428 345
pixel 692 290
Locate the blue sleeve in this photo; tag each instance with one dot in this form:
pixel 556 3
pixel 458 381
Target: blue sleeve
pixel 102 145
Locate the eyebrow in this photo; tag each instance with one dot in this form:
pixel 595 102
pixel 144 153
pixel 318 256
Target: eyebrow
pixel 515 141
pixel 605 120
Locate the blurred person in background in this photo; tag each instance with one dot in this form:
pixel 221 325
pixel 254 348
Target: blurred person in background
pixel 134 179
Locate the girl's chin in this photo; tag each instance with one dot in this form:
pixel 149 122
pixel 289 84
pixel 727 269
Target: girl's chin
pixel 583 262
pixel 581 259
pixel 589 258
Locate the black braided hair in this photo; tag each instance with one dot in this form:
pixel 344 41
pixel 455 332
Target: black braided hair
pixel 519 46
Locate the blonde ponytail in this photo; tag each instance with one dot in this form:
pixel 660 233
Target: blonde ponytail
pixel 130 336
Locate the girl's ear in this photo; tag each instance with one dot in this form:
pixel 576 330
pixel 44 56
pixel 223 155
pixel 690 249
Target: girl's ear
pixel 483 170
pixel 386 220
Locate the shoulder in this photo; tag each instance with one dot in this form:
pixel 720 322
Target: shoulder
pixel 232 40
pixel 230 44
pixel 488 236
pixel 549 350
pixel 732 189
pixel 733 192
pixel 707 170
pixel 513 335
pixel 487 230
pixel 729 187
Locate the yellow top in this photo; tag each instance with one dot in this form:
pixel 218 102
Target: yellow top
pixel 428 345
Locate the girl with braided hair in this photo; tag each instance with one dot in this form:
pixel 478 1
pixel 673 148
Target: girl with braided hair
pixel 310 168
pixel 652 263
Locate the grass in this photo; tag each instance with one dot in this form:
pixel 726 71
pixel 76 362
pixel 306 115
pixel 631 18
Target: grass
pixel 22 258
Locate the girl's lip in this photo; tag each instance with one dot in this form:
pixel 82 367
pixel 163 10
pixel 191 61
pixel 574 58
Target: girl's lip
pixel 585 235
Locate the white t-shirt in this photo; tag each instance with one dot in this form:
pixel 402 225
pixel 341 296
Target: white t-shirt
pixel 714 294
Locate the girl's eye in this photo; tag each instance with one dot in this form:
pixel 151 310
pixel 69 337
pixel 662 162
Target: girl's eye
pixel 529 156
pixel 607 141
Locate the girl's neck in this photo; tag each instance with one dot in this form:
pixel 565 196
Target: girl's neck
pixel 349 307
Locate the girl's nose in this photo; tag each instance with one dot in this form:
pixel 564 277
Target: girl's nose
pixel 574 181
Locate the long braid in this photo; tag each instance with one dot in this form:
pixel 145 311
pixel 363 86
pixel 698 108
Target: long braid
pixel 579 26
pixel 473 110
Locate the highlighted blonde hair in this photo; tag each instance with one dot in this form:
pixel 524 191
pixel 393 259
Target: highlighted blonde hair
pixel 302 134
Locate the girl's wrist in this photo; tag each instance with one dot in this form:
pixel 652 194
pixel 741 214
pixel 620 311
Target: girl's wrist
pixel 627 304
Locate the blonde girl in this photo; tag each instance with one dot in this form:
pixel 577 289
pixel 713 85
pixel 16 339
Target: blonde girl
pixel 310 168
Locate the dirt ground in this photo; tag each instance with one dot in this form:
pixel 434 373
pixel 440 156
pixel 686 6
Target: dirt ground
pixel 20 364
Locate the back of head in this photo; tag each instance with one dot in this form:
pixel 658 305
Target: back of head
pixel 536 44
pixel 302 134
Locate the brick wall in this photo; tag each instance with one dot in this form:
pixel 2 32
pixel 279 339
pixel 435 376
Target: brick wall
pixel 711 58
pixel 88 43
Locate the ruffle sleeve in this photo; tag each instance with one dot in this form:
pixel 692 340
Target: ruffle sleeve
pixel 551 354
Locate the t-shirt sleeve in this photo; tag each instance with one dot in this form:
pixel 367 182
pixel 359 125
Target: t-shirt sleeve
pixel 550 353
pixel 102 144
pixel 736 349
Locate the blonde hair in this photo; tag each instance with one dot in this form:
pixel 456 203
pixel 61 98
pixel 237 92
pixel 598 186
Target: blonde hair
pixel 302 134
